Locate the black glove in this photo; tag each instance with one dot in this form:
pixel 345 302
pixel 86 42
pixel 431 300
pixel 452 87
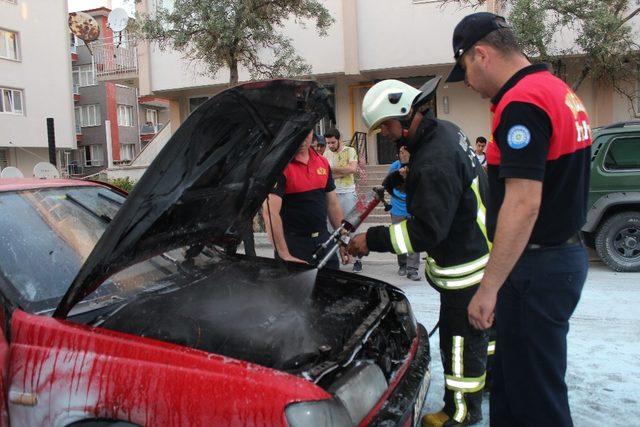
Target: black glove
pixel 393 181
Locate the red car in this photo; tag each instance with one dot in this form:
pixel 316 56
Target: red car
pixel 138 311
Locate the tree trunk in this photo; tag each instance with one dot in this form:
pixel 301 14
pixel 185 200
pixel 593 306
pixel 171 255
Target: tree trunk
pixel 233 73
pixel 583 75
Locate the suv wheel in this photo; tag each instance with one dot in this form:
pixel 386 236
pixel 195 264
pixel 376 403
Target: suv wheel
pixel 618 241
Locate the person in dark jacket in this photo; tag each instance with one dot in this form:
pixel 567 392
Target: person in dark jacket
pixel 445 188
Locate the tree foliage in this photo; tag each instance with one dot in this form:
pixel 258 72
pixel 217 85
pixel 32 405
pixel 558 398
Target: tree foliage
pixel 231 33
pixel 604 38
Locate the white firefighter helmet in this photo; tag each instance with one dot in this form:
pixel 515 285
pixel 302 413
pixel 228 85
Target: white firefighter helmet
pixel 388 99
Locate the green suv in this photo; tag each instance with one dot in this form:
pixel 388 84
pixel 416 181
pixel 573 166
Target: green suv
pixel 613 219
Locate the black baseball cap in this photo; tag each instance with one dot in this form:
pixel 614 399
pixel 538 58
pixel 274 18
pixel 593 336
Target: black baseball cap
pixel 468 32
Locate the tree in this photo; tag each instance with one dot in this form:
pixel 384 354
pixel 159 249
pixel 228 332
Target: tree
pixel 233 33
pixel 604 39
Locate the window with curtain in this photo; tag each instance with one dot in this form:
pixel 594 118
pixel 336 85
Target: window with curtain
pixel 11 101
pixel 9 45
pixel 125 115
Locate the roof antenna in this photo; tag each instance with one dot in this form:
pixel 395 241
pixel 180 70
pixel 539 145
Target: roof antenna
pixel 84 27
pixel 11 172
pixel 117 21
pixel 45 170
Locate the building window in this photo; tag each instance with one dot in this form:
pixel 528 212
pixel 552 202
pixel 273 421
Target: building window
pixel 93 155
pixel 11 102
pixel 88 115
pixel 84 75
pixel 151 116
pixel 196 102
pixel 9 45
pixel 127 151
pixel 623 154
pixel 4 159
pixel 125 115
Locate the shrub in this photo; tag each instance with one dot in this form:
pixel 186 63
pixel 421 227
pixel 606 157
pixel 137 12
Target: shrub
pixel 125 183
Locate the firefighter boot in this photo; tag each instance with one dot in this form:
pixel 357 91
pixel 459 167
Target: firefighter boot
pixel 435 419
pixel 441 419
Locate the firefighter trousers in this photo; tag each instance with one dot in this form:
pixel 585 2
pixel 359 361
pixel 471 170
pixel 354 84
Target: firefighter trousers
pixel 464 356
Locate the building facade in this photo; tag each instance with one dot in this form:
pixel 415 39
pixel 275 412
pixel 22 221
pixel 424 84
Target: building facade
pixel 370 40
pixel 100 101
pixel 35 82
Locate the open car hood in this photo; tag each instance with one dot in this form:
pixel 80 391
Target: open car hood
pixel 209 180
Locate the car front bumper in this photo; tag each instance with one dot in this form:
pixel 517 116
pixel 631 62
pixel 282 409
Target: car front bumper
pixel 404 405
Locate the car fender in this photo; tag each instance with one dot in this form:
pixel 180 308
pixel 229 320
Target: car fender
pixel 600 207
pixel 62 372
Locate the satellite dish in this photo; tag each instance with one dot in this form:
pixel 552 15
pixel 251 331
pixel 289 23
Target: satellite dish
pixel 11 172
pixel 45 170
pixel 118 19
pixel 84 27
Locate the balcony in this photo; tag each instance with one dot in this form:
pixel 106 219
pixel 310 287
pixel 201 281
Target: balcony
pixel 149 130
pixel 78 132
pixel 153 101
pixel 115 62
pixel 76 92
pixel 74 51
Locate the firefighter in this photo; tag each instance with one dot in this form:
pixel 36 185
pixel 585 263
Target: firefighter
pixel 445 188
pixel 539 162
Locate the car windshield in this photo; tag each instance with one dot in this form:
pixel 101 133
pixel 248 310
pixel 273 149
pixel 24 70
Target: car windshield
pixel 47 234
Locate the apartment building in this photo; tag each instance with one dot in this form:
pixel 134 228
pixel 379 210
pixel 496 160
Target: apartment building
pixel 370 40
pixel 35 82
pixel 132 121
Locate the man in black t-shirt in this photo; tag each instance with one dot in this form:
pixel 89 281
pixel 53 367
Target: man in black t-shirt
pixel 538 169
pixel 296 211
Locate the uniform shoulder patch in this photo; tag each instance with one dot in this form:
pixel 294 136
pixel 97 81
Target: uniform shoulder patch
pixel 518 137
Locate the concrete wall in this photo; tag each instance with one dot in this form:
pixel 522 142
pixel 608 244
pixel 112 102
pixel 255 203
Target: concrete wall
pixel 43 72
pixel 26 158
pixel 94 95
pixel 395 34
pixel 373 40
pixel 129 134
pixel 169 71
pixel 154 147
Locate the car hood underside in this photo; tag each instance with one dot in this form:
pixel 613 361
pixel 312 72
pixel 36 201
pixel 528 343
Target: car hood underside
pixel 209 180
pixel 261 312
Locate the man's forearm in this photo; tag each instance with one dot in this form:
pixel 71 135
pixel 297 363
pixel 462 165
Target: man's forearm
pixel 334 212
pixel 275 231
pixel 513 230
pixel 340 171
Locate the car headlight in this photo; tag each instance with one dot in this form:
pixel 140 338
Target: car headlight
pixel 360 389
pixel 405 315
pixel 321 413
pixel 356 393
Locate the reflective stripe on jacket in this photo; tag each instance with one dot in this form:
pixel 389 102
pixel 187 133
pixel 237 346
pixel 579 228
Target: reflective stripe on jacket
pixel 446 189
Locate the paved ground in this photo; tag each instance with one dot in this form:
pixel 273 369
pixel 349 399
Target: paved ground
pixel 604 342
pixel 604 347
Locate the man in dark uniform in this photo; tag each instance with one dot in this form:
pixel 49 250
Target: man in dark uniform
pixel 538 167
pixel 295 213
pixel 445 188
